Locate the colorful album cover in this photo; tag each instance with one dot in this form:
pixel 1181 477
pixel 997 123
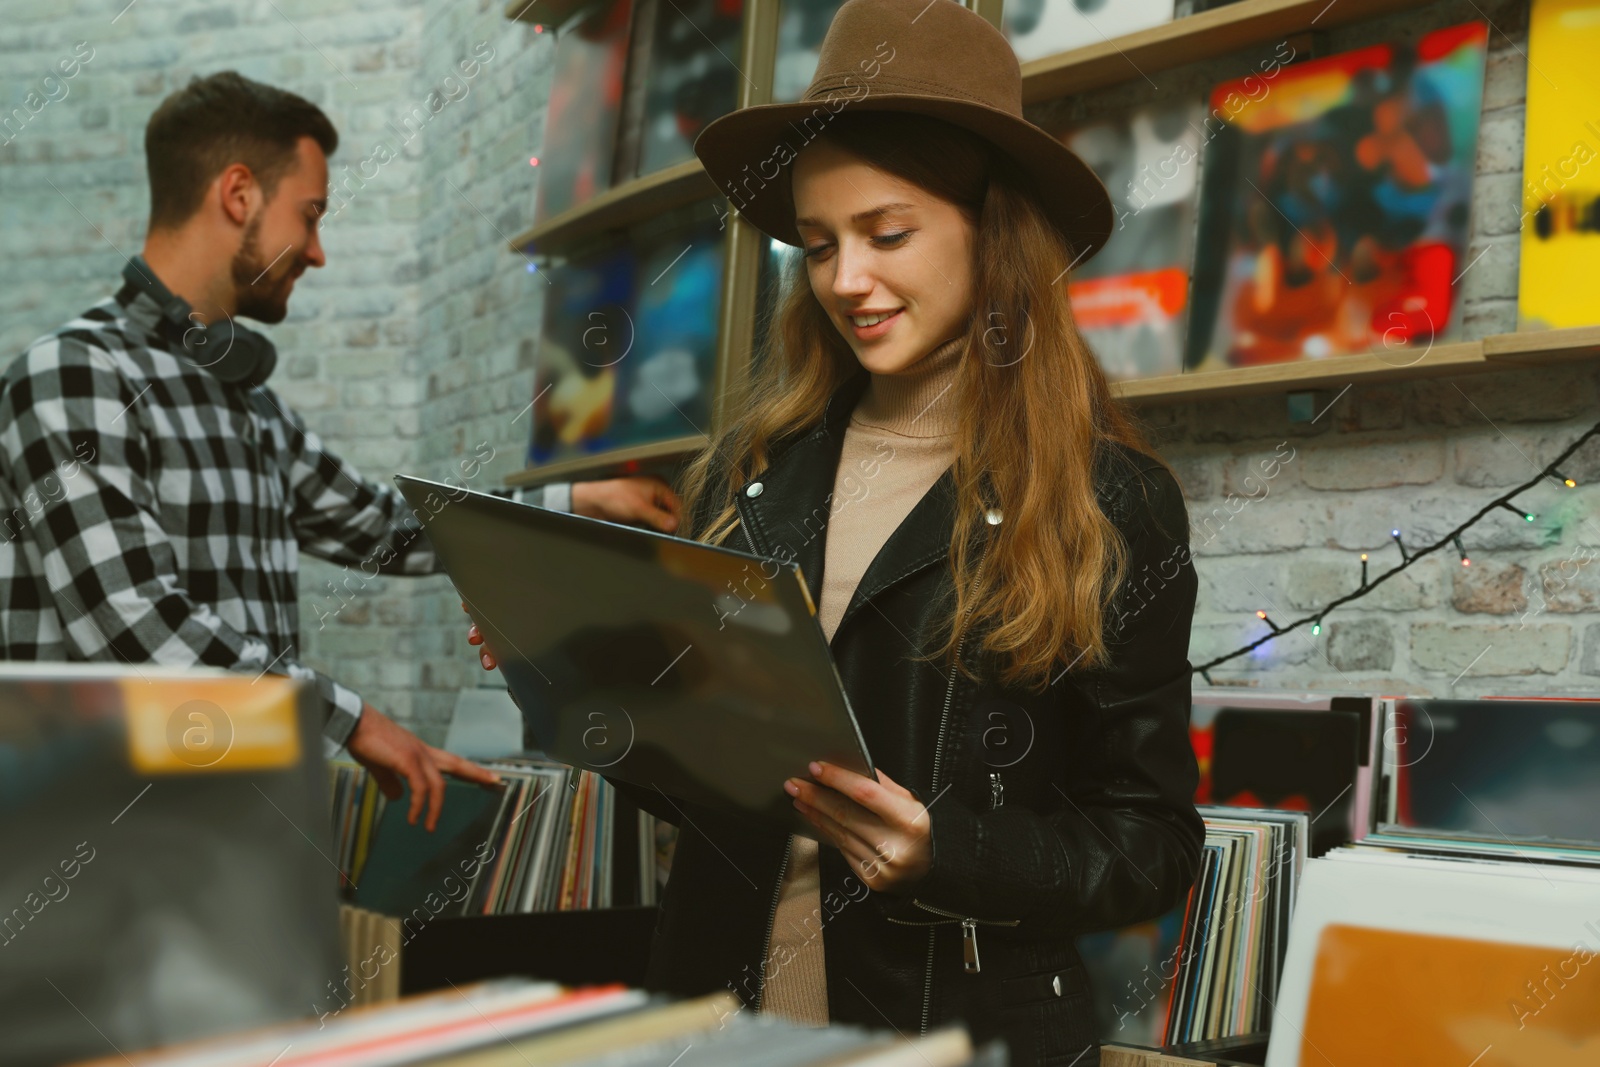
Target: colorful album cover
pixel 1038 28
pixel 1131 300
pixel 628 351
pixel 691 78
pixel 1434 962
pixel 802 24
pixel 1335 211
pixel 1437 996
pixel 576 158
pixel 588 330
pixel 1560 187
pixel 667 378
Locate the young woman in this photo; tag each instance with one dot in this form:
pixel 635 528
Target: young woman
pixel 999 560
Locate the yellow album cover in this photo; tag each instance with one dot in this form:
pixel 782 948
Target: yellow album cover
pixel 1561 168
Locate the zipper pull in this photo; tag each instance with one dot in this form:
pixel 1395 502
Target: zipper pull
pixel 969 946
pixel 996 790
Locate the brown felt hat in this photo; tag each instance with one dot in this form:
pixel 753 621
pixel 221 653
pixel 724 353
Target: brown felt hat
pixel 930 57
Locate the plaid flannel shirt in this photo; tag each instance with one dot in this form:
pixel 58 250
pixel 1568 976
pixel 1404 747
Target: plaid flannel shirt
pixel 150 513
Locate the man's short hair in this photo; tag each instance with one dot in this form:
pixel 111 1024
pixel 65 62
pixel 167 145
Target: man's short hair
pixel 219 120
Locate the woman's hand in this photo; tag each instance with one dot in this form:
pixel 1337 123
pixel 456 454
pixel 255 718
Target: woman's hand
pixel 881 829
pixel 485 657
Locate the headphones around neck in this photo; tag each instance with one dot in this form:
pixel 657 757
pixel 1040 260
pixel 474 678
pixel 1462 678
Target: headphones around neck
pixel 230 352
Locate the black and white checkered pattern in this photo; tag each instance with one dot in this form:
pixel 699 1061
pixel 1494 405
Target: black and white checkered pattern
pixel 150 513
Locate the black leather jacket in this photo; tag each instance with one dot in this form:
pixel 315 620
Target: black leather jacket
pixel 1051 814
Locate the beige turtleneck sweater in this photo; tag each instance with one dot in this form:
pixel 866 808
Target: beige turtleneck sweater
pixel 900 439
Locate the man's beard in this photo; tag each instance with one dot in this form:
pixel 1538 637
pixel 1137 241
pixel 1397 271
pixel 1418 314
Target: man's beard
pixel 260 295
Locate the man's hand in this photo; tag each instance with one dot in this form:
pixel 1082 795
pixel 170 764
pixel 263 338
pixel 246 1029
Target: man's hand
pixel 635 499
pixel 392 753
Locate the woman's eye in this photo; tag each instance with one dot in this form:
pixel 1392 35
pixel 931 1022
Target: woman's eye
pixel 887 240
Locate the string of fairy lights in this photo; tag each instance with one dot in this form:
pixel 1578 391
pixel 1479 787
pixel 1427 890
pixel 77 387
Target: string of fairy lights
pixel 1410 556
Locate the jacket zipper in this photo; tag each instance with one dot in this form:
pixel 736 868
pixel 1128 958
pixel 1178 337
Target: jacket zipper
pixel 969 940
pixel 996 790
pixel 969 932
pixel 772 919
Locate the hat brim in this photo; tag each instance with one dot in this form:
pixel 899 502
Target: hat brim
pixel 743 153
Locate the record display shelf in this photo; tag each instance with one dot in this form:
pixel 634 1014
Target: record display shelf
pixel 1190 39
pixel 1247 1051
pixel 616 209
pixel 1177 43
pixel 1497 352
pixel 1119 59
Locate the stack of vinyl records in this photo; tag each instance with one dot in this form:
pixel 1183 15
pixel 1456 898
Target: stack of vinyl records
pixel 357 803
pixel 1460 931
pixel 549 838
pixel 556 843
pixel 1236 923
pixel 1209 968
pixel 514 1022
pixel 1440 961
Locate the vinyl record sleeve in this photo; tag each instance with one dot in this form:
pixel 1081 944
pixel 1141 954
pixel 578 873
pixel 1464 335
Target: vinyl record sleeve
pixel 633 654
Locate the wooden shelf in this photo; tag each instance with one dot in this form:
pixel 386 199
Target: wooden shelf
pixel 617 208
pixel 1543 347
pixel 1498 352
pixel 1188 40
pixel 617 461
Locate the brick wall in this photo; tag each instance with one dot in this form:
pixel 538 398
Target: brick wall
pixel 409 351
pixel 412 350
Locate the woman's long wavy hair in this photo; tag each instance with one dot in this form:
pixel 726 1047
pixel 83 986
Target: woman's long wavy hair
pixel 1036 405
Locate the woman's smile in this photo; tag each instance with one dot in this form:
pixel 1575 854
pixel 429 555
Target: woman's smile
pixel 877 329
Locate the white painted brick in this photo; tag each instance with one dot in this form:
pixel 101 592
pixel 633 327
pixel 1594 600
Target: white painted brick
pixel 1490 650
pixel 1381 464
pixel 1232 525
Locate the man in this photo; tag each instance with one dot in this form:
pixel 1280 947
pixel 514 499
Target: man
pixel 154 495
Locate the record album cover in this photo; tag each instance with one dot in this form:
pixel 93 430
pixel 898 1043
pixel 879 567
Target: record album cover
pixel 1560 186
pixel 628 350
pixel 1038 28
pixel 802 24
pixel 1131 300
pixel 692 77
pixel 1334 216
pixel 580 126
